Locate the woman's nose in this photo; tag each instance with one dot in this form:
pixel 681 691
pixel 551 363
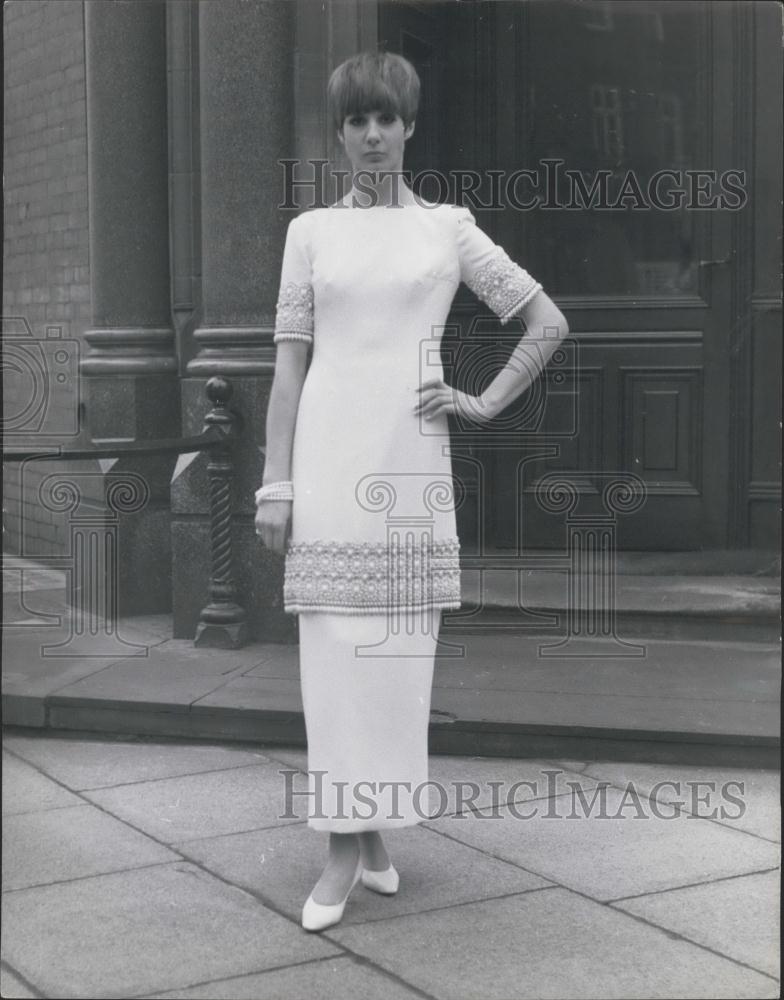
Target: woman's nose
pixel 373 132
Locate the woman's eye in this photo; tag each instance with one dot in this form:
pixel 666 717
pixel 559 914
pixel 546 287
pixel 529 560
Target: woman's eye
pixel 387 119
pixel 356 120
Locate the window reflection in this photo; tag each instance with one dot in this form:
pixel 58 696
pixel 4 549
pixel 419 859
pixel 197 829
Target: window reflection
pixel 615 88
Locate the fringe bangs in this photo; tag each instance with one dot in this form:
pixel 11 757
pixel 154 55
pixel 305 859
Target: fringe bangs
pixel 373 81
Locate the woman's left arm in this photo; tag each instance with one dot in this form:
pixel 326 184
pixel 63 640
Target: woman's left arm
pixel 509 291
pixel 546 327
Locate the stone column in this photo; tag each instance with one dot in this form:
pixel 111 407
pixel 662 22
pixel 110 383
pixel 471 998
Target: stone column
pixel 246 81
pixel 131 385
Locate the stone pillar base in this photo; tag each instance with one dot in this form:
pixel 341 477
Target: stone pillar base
pixel 133 490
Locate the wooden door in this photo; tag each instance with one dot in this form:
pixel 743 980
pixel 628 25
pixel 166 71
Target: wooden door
pixel 633 90
pixel 642 390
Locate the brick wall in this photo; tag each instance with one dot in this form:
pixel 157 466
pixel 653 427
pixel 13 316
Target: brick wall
pixel 46 297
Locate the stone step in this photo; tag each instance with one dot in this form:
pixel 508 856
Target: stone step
pixel 499 695
pixel 546 602
pixel 497 690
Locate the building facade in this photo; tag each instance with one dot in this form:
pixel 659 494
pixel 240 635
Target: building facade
pixel 628 155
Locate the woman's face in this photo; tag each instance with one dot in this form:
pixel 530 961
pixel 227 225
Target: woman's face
pixel 375 140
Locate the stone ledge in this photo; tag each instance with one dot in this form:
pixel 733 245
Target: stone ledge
pixel 720 702
pixel 454 737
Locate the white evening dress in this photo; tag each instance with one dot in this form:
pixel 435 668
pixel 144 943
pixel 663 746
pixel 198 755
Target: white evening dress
pixel 373 554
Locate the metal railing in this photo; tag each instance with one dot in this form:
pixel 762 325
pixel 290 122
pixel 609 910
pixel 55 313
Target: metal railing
pixel 222 622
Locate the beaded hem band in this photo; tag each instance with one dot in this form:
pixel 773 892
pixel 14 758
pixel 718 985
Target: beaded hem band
pixel 338 609
pixel 372 577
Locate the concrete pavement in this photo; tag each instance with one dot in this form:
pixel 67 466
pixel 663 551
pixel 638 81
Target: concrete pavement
pixel 614 835
pixel 657 890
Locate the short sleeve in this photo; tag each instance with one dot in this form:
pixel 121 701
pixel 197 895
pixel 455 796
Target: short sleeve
pixel 489 271
pixel 294 313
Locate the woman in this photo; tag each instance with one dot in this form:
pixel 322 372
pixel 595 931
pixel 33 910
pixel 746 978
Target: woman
pixel 359 498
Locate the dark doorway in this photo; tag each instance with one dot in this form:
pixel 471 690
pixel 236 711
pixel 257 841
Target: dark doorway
pixel 643 389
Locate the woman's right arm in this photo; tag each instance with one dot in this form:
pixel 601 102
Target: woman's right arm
pixel 293 336
pixel 273 517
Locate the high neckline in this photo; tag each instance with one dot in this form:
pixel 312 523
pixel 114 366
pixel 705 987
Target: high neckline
pixel 359 201
pixel 355 198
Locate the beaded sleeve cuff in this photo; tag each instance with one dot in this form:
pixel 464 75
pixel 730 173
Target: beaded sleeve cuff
pixel 294 316
pixel 503 285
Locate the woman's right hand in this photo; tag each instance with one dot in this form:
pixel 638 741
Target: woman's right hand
pixel 273 523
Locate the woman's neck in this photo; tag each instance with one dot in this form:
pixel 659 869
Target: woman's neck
pixel 388 189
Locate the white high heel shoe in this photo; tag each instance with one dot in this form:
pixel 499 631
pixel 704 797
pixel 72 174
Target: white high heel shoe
pixel 317 916
pixel 385 882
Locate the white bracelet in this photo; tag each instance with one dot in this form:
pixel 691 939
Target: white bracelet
pixel 283 490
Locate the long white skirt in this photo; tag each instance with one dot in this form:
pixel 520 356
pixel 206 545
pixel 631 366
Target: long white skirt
pixel 366 693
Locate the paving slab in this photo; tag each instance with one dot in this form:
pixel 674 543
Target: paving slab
pixel 152 929
pixel 549 943
pixel 737 917
pixel 64 634
pixel 283 865
pixel 202 805
pixel 27 671
pixel 571 765
pixel 171 677
pixel 737 671
pixel 460 783
pixel 607 857
pixel 61 844
pixel 48 612
pixel 253 693
pixel 145 630
pixel 155 624
pixel 695 594
pixel 25 789
pixel 289 756
pixel 280 661
pixel 326 979
pixel 95 763
pixel 483 782
pixel 613 714
pixel 42 605
pixel 756 793
pixel 27 574
pixel 11 986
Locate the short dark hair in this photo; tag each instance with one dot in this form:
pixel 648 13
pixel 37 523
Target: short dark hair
pixel 370 81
